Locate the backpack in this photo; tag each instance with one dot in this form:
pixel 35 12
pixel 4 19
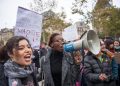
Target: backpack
pixel 3 78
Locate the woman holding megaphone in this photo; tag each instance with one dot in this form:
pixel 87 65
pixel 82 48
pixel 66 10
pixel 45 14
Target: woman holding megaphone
pixel 57 66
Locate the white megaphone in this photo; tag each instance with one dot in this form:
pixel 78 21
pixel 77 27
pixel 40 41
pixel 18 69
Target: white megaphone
pixel 89 41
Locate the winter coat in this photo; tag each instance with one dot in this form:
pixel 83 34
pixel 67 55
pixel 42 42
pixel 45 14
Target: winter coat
pixel 36 58
pixel 93 68
pixel 69 70
pixel 114 69
pixel 3 80
pixel 43 51
pixel 18 76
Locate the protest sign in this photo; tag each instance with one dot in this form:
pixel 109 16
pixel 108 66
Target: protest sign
pixel 29 25
pixel 70 33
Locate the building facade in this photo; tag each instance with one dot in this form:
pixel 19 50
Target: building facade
pixel 5 34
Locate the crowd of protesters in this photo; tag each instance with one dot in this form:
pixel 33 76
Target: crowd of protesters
pixel 20 65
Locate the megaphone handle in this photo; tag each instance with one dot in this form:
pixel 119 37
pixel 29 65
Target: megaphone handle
pixel 83 34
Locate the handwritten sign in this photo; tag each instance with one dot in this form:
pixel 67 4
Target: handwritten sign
pixel 29 25
pixel 70 33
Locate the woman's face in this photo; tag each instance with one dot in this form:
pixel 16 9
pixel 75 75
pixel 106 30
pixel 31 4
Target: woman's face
pixel 58 43
pixel 78 58
pixel 103 46
pixel 111 45
pixel 22 55
pixel 116 43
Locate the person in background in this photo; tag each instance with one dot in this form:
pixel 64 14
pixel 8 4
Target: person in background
pixel 58 66
pixel 117 50
pixel 98 70
pixel 109 51
pixel 117 46
pixel 19 69
pixel 43 49
pixel 114 47
pixel 36 57
pixel 38 53
pixel 109 44
pixel 78 58
pixel 3 58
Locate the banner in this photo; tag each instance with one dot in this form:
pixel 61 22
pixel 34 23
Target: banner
pixel 29 25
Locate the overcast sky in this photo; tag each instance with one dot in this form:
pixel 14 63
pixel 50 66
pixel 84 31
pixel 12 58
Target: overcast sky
pixel 8 10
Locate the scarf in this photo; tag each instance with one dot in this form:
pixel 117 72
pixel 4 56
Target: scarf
pixel 14 72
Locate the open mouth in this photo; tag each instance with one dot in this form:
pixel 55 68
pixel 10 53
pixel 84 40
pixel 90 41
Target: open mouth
pixel 27 58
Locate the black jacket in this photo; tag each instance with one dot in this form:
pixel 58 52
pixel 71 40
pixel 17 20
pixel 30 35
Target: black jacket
pixel 93 68
pixel 3 79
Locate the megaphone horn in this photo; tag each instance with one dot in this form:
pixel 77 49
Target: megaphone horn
pixel 89 41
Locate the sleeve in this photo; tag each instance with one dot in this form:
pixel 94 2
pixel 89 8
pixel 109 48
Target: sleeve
pixel 75 71
pixel 88 72
pixel 114 69
pixel 40 70
pixel 74 68
pixel 3 80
